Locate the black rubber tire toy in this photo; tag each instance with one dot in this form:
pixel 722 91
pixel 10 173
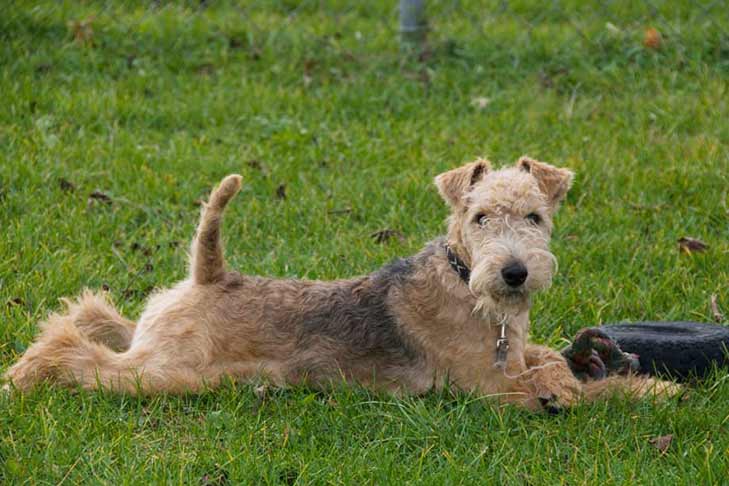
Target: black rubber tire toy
pixel 677 349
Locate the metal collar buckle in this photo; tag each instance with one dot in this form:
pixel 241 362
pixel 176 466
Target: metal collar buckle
pixel 502 346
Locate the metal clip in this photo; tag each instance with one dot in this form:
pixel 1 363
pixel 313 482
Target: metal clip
pixel 502 347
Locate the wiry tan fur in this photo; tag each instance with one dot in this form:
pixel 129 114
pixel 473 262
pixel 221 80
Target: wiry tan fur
pixel 407 328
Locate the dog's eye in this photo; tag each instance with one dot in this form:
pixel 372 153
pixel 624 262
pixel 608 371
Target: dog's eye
pixel 534 218
pixel 481 219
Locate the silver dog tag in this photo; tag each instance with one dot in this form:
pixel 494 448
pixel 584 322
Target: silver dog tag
pixel 502 348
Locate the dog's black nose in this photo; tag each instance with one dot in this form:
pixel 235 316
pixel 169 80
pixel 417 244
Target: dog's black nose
pixel 514 274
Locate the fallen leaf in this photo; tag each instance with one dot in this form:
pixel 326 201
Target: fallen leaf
pixel 100 197
pixel 688 245
pixel 281 191
pixel 66 185
pixel 255 164
pixel 652 38
pixel 345 210
pixel 15 301
pixel 146 251
pixel 718 316
pixel 662 443
pixel 309 65
pixel 644 207
pixel 384 235
pixel 480 102
pixel 82 30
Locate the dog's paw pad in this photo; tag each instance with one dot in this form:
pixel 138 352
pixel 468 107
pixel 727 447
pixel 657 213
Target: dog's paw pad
pixel 551 405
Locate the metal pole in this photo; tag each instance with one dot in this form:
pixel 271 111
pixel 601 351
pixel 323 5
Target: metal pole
pixel 413 24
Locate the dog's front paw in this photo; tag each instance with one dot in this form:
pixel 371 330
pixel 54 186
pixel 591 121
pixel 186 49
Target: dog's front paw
pixel 551 405
pixel 555 387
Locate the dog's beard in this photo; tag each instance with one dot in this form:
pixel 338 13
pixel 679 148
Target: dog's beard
pixel 492 295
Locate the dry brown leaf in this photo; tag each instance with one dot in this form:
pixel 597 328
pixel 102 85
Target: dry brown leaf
pixel 718 316
pixel 254 164
pixel 385 235
pixel 689 245
pixel 82 30
pixel 344 210
pixel 662 443
pixel 281 191
pixel 98 196
pixel 15 301
pixel 652 39
pixel 66 185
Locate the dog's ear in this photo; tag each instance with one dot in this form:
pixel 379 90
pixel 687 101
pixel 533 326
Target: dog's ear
pixel 452 185
pixel 553 181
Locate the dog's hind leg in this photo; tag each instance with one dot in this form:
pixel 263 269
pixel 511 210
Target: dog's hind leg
pixel 99 321
pixel 207 263
pixel 63 355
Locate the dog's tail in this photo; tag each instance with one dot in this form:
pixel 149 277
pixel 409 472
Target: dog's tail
pixel 207 264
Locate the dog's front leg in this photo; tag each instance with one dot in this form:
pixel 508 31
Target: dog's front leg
pixel 548 378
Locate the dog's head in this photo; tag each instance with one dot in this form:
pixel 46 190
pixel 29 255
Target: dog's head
pixel 501 224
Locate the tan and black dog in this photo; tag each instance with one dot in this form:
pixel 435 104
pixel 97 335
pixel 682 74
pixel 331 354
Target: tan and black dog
pixel 456 313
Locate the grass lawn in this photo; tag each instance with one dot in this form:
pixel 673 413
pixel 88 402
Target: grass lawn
pixel 111 131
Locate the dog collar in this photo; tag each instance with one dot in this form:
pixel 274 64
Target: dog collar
pixel 457 264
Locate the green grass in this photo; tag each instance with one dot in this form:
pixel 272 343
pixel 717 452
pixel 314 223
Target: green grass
pixel 164 101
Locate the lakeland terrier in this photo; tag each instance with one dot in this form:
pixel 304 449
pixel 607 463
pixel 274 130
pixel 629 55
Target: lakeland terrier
pixel 456 313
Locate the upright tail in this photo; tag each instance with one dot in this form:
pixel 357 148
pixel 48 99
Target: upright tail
pixel 207 263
